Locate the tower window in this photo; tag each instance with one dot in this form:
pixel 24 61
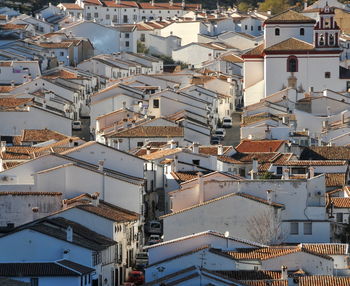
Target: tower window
pixel 277 32
pixel 331 40
pixel 292 64
pixel 321 40
pixel 302 31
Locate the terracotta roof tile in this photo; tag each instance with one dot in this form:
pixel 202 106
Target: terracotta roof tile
pixel 255 52
pixel 251 274
pixel 326 153
pixel 232 58
pixel 264 283
pixel 12 103
pixel 61 45
pixel 61 74
pixel 18 153
pixel 150 131
pixel 41 135
pixel 184 176
pixel 290 44
pixel 213 150
pixel 30 194
pixel 6 64
pixel 259 145
pixel 324 281
pixel 289 17
pixel 122 4
pixel 341 202
pixel 335 179
pixel 13 26
pixel 161 153
pixel 315 163
pixel 327 248
pixel 6 88
pixel 71 6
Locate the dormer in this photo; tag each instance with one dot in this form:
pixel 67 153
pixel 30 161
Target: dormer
pixel 288 24
pixel 326 32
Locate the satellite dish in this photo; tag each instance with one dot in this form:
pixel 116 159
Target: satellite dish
pixel 227 234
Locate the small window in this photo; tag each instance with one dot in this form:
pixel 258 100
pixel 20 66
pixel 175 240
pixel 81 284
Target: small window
pixel 125 18
pixel 61 54
pixel 246 27
pixel 127 44
pixel 294 228
pixel 259 28
pixel 242 172
pixel 139 144
pixel 307 228
pixel 96 15
pixel 277 32
pixel 292 64
pixel 251 28
pixel 127 35
pixel 339 217
pixel 327 75
pixel 279 170
pixel 108 16
pixel 196 162
pixel 155 103
pixel 302 31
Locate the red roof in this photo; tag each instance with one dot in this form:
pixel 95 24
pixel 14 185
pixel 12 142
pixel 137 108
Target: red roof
pixel 259 146
pixel 122 4
pixel 168 6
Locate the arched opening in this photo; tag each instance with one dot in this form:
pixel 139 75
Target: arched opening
pixel 302 31
pixel 277 32
pixel 331 40
pixel 321 42
pixel 292 64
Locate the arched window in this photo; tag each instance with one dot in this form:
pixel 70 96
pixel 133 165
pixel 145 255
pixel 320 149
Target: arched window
pixel 277 32
pixel 292 64
pixel 321 40
pixel 302 31
pixel 331 40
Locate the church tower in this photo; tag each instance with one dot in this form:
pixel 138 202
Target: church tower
pixel 326 31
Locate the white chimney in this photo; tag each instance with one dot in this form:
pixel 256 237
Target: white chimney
pixel 305 4
pixel 195 147
pixel 152 2
pixel 148 150
pixel 284 272
pixel 64 204
pixel 183 4
pixel 171 2
pixel 220 150
pixel 200 186
pixel 35 211
pixel 100 165
pixel 255 165
pixel 269 196
pixel 311 172
pixel 2 146
pixel 69 232
pixel 95 199
pixel 172 144
pixel 286 174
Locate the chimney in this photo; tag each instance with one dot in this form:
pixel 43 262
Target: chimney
pixel 171 2
pixel 35 211
pixel 269 196
pixel 311 172
pixel 148 150
pixel 2 146
pixel 284 272
pixel 64 204
pixel 152 2
pixel 172 144
pixel 268 12
pixel 100 165
pixel 124 104
pixel 200 185
pixel 343 117
pixel 95 199
pixel 305 4
pixel 286 174
pixel 220 150
pixel 183 4
pixel 195 147
pixel 255 165
pixel 12 83
pixel 175 164
pixel 69 232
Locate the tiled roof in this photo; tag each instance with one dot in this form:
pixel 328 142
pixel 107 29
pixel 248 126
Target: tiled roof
pixel 30 269
pixel 6 63
pixel 6 88
pixel 327 248
pixel 326 153
pixel 11 282
pixel 75 266
pixel 270 252
pixel 11 164
pixel 321 280
pixel 289 17
pixel 341 202
pixel 18 153
pixel 12 103
pixel 251 274
pixel 71 6
pixel 255 52
pixel 335 179
pixel 161 154
pixel 315 163
pixel 61 45
pixel 41 135
pixel 61 74
pixel 167 6
pixel 232 58
pixel 213 150
pixel 30 194
pixel 110 211
pixel 122 4
pixel 151 131
pixel 184 176
pixel 259 145
pixel 13 26
pixel 248 120
pixel 270 283
pixel 93 2
pixel 290 44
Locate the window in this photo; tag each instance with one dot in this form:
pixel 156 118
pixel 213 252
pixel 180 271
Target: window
pixel 279 171
pixel 61 54
pixel 348 85
pixel 339 217
pixel 242 172
pixel 155 103
pixel 135 17
pixel 108 16
pixel 302 31
pixel 196 162
pixel 142 37
pixel 115 19
pixel 292 64
pixel 251 28
pixel 96 15
pixel 127 44
pixel 139 144
pixel 331 40
pixel 88 16
pixel 246 27
pixel 125 18
pixel 294 228
pixel 277 32
pixel 127 35
pixel 259 28
pixel 307 228
pixel 34 281
pixel 327 75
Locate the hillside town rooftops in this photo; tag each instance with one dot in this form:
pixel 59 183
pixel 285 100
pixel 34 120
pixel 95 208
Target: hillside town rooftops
pixel 289 17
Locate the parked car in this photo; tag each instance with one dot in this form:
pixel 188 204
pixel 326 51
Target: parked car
pixel 214 140
pixel 227 122
pixel 76 125
pixel 153 227
pixel 220 132
pixel 136 277
pixel 153 239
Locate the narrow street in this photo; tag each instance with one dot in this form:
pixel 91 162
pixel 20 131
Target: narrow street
pixel 233 134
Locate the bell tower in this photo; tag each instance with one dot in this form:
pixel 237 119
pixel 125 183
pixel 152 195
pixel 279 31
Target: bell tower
pixel 326 31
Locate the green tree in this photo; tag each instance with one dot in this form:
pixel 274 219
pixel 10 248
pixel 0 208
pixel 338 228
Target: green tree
pixel 275 6
pixel 141 48
pixel 243 6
